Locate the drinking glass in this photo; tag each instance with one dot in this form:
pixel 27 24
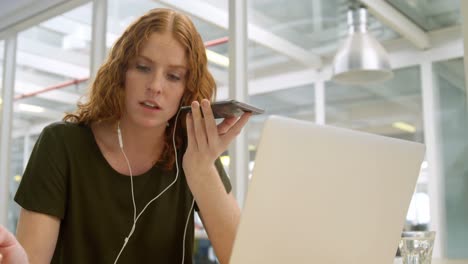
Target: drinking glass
pixel 416 247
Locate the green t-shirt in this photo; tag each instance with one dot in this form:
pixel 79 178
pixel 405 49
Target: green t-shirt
pixel 68 177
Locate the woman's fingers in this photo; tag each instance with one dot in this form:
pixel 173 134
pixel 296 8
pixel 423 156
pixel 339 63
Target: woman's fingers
pixel 192 142
pixel 210 123
pixel 235 129
pixel 227 123
pixel 199 126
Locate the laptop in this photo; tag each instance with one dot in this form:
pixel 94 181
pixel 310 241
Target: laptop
pixel 321 194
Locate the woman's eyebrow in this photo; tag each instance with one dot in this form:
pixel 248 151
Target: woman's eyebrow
pixel 170 65
pixel 144 57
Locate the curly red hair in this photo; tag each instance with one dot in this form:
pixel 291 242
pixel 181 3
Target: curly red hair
pixel 106 94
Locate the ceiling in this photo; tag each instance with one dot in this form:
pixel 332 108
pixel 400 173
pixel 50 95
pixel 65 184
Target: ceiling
pixel 16 11
pixel 287 39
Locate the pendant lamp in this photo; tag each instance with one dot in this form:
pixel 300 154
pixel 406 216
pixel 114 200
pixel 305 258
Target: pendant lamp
pixel 361 59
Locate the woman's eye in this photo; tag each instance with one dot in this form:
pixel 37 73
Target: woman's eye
pixel 143 68
pixel 173 77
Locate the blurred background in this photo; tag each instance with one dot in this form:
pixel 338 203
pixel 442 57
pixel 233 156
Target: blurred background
pixel 50 48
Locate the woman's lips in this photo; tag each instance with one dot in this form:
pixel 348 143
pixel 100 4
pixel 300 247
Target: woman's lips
pixel 151 105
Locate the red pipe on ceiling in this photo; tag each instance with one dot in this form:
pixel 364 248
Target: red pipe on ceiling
pixel 216 42
pixel 51 88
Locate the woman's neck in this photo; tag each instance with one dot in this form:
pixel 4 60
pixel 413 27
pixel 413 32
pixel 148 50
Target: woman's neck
pixel 142 141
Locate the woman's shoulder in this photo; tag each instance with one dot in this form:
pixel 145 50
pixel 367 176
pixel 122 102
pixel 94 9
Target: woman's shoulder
pixel 65 125
pixel 66 129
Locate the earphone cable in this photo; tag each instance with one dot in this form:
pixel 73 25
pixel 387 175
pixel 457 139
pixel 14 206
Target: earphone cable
pixel 135 218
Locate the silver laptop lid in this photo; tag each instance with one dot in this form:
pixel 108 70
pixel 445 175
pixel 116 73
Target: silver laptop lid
pixel 322 194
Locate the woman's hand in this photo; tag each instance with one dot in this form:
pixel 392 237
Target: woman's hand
pixel 206 140
pixel 11 252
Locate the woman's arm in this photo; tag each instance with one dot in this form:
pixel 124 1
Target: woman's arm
pixel 206 142
pixel 38 234
pixel 219 212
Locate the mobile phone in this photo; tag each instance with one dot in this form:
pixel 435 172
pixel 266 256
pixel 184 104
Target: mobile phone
pixel 229 108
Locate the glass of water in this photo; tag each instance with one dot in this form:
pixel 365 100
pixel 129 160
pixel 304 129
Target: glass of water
pixel 416 247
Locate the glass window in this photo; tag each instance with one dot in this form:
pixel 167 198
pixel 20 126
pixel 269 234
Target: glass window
pixel 51 75
pixel 284 37
pixel 316 26
pixel 429 14
pixel 449 79
pixel 393 109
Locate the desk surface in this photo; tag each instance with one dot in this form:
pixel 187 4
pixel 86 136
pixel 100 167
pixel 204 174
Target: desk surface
pixel 440 261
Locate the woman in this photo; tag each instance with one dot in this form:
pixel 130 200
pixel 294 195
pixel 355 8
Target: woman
pixel 117 181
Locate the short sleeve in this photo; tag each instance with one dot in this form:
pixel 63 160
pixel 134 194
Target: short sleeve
pixel 43 186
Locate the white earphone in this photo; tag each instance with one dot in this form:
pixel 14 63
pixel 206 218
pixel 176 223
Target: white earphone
pixel 135 216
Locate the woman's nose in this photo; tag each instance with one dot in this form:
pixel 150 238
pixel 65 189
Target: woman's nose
pixel 156 84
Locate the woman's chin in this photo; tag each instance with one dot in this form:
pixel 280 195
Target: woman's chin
pixel 152 124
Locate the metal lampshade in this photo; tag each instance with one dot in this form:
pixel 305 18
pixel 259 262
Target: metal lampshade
pixel 361 59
